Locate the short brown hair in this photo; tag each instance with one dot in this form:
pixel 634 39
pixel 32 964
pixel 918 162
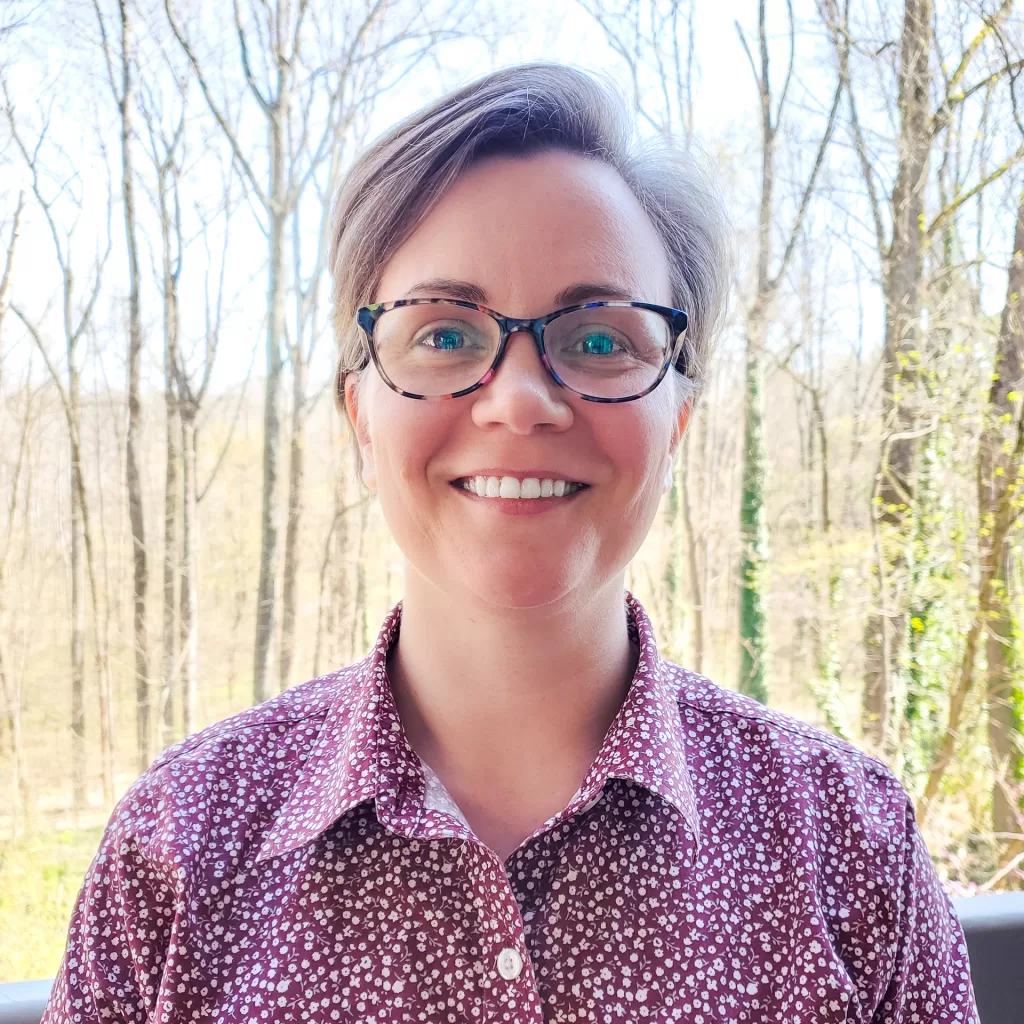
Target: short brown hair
pixel 519 111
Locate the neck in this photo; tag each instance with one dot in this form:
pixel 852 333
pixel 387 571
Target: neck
pixel 500 700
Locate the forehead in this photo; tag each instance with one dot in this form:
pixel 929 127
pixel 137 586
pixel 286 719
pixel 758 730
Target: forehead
pixel 527 228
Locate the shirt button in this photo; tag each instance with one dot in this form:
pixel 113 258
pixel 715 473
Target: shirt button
pixel 510 964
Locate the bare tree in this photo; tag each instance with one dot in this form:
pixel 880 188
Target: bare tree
pixel 309 327
pixel 655 40
pixel 279 29
pixel 74 324
pixel 5 279
pixel 10 687
pixel 192 388
pixel 819 516
pixel 166 134
pixel 769 276
pixel 120 74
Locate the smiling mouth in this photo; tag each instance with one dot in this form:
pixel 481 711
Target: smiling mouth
pixel 512 487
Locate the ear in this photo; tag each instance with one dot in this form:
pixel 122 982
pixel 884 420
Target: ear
pixel 680 426
pixel 357 418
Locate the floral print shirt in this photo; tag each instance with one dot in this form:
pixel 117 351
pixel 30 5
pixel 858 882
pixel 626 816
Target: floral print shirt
pixel 720 862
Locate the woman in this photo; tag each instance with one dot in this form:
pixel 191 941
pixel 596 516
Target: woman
pixel 513 809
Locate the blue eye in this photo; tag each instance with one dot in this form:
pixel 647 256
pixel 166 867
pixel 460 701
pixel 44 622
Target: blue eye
pixel 598 344
pixel 446 339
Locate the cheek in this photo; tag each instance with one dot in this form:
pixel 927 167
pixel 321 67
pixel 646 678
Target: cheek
pixel 405 436
pixel 638 445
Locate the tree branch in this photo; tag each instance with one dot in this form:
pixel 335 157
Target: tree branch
pixel 265 105
pixel 809 190
pixel 792 59
pixel 218 116
pixel 5 280
pixel 953 99
pixel 965 197
pixel 750 56
pixel 65 400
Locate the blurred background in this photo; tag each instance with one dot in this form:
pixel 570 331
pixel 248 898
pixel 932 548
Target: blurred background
pixel 182 533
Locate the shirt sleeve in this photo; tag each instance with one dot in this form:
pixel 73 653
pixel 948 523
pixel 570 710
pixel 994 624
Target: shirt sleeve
pixel 119 932
pixel 931 980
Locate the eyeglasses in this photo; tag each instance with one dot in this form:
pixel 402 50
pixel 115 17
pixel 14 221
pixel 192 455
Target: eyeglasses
pixel 447 348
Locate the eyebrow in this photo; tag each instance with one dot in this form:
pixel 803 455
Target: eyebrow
pixel 467 291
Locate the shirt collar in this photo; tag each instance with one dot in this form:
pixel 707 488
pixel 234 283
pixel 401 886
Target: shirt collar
pixel 646 743
pixel 361 752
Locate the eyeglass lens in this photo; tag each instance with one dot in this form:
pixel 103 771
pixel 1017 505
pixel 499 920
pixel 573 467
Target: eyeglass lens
pixel 604 352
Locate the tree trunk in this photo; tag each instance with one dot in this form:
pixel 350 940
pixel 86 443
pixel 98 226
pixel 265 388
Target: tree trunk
pixel 140 573
pixel 266 596
pixel 11 692
pixel 358 640
pixel 670 577
pixel 1005 685
pixel 896 481
pixel 697 582
pixel 79 791
pixel 1004 694
pixel 296 472
pixel 172 499
pixel 189 573
pixel 753 526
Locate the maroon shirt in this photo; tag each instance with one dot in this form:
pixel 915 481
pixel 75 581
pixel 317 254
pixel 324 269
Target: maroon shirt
pixel 720 862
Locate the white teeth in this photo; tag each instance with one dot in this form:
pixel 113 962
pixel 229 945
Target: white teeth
pixel 509 487
pixel 512 487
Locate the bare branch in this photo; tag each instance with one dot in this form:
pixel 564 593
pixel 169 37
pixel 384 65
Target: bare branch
pixel 105 46
pixel 954 98
pixel 201 492
pixel 805 200
pixel 841 41
pixel 964 197
pixel 750 56
pixel 264 103
pixel 792 60
pixel 218 116
pixel 62 393
pixel 5 280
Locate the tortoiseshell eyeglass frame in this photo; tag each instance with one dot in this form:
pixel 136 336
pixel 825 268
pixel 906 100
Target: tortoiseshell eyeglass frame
pixel 367 317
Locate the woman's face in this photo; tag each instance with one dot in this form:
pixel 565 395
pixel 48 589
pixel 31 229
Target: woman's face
pixel 518 235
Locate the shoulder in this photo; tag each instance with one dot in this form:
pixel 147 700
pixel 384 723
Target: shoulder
pixel 792 767
pixel 231 778
pixel 266 730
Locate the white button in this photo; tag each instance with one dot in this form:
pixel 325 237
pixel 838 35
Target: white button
pixel 510 964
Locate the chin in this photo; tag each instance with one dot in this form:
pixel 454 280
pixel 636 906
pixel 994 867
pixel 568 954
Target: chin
pixel 514 580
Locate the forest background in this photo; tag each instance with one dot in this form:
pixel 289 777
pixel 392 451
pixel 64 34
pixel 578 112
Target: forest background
pixel 182 533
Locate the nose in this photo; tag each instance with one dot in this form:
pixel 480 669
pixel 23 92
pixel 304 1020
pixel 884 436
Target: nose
pixel 522 396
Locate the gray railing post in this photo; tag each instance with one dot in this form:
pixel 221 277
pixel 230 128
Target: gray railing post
pixel 994 928
pixel 22 1002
